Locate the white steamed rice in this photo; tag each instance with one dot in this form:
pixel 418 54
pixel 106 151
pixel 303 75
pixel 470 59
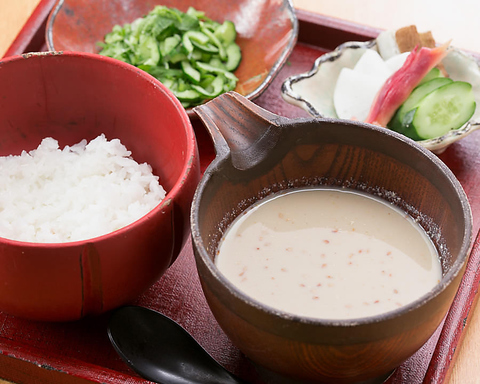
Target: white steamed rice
pixel 83 191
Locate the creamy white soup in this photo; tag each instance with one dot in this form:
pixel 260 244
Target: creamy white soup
pixel 329 253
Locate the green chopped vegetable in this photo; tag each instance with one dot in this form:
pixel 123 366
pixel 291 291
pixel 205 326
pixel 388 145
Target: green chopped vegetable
pixel 189 53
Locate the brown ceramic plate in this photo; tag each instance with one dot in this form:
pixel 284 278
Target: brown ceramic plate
pixel 267 30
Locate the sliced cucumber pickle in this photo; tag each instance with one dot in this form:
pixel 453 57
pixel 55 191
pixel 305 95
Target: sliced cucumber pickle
pixel 446 108
pixel 148 51
pixel 234 56
pixel 169 44
pixel 434 73
pixel 190 36
pixel 226 32
pixel 402 118
pixel 187 95
pixel 191 73
pixel 215 88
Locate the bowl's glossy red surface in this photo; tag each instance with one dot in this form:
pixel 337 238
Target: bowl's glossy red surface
pixel 267 30
pixel 71 97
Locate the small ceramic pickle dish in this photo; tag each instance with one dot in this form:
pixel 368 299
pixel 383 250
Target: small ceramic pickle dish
pixel 314 90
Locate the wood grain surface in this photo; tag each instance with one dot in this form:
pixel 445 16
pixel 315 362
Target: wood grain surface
pixel 457 22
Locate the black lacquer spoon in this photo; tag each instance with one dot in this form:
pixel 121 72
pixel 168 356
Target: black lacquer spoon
pixel 160 350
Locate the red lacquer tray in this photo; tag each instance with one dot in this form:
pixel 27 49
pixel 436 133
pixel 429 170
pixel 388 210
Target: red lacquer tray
pixel 79 352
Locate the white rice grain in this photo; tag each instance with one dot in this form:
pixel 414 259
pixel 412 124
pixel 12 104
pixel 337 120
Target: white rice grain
pixel 50 195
